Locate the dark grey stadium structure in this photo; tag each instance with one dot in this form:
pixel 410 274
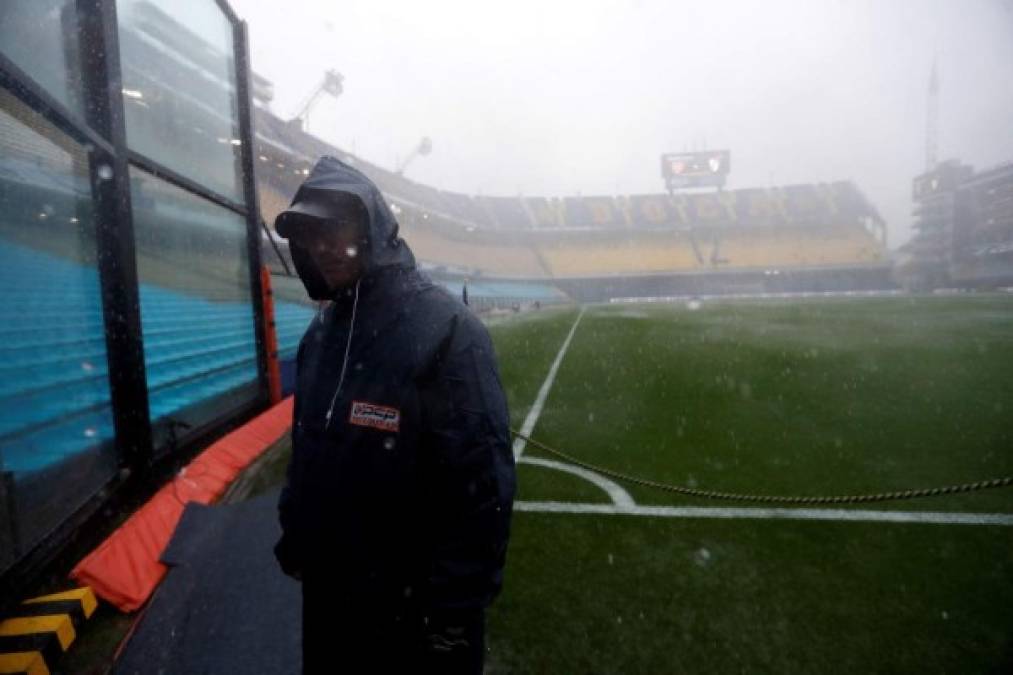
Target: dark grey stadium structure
pixel 963 229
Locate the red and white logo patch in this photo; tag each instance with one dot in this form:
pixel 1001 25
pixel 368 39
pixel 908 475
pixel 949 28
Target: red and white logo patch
pixel 380 417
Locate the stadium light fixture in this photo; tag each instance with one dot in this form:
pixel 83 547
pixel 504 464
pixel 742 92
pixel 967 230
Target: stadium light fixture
pixel 332 84
pixel 424 148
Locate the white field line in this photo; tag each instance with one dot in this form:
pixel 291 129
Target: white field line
pixel 543 393
pixel 616 493
pixel 624 505
pixel 665 299
pixel 732 513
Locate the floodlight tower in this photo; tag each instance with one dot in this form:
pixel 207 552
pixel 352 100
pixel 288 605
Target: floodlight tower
pixel 932 120
pixel 331 84
pixel 424 147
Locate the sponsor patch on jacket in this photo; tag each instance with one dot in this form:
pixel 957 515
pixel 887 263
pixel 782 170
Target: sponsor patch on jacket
pixel 376 416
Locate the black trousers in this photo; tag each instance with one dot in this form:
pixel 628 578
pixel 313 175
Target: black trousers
pixel 346 634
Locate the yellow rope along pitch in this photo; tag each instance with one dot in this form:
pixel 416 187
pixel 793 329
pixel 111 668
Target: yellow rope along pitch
pixel 772 499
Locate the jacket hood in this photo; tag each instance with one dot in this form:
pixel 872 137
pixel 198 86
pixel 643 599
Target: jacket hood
pixel 332 182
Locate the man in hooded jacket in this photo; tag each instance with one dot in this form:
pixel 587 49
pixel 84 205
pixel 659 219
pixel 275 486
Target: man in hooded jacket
pixel 395 514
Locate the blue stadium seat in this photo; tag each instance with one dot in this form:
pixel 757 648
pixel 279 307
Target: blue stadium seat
pixel 54 391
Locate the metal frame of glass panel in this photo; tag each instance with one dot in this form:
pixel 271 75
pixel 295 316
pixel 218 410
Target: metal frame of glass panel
pixel 115 232
pixel 253 220
pixel 103 132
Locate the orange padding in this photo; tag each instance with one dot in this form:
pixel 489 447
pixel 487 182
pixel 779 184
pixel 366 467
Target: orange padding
pixel 125 569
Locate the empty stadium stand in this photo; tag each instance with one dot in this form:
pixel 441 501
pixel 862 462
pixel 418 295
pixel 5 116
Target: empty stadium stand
pixel 54 393
pixel 545 238
pixel 503 294
pixel 709 250
pixel 618 255
pixel 471 253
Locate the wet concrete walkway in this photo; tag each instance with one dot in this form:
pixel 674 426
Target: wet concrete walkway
pixel 225 606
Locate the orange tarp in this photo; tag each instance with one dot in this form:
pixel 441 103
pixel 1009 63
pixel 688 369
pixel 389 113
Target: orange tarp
pixel 125 569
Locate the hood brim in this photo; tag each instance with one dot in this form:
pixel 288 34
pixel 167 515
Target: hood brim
pixel 314 208
pixel 332 184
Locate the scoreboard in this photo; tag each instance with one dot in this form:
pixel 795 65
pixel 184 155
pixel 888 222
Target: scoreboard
pixel 695 169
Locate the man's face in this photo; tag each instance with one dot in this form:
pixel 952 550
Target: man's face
pixel 337 248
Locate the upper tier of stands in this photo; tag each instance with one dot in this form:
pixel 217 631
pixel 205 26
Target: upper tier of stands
pixel 541 237
pixel 464 251
pixel 729 249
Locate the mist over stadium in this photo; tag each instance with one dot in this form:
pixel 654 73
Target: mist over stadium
pixel 829 100
pixel 584 102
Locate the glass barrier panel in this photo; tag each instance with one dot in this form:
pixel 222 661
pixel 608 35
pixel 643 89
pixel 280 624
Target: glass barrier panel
pixel 179 89
pixel 56 422
pixel 197 314
pixel 293 311
pixel 40 37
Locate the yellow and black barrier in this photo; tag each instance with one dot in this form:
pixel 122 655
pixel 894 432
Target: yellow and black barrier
pixel 41 629
pixel 23 663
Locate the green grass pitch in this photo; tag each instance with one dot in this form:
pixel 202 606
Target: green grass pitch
pixel 830 396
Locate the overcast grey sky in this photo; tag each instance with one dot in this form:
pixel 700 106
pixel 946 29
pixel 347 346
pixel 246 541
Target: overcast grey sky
pixel 559 98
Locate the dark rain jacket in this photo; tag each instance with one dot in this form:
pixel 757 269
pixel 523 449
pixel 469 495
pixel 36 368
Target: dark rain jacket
pixel 401 482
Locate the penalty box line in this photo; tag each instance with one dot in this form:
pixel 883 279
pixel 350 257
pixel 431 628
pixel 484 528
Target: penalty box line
pixel 623 504
pixel 536 410
pixel 740 513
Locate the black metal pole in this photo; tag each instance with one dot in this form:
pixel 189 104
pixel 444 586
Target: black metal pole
pixel 21 86
pixel 114 232
pixel 243 92
pixel 10 542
